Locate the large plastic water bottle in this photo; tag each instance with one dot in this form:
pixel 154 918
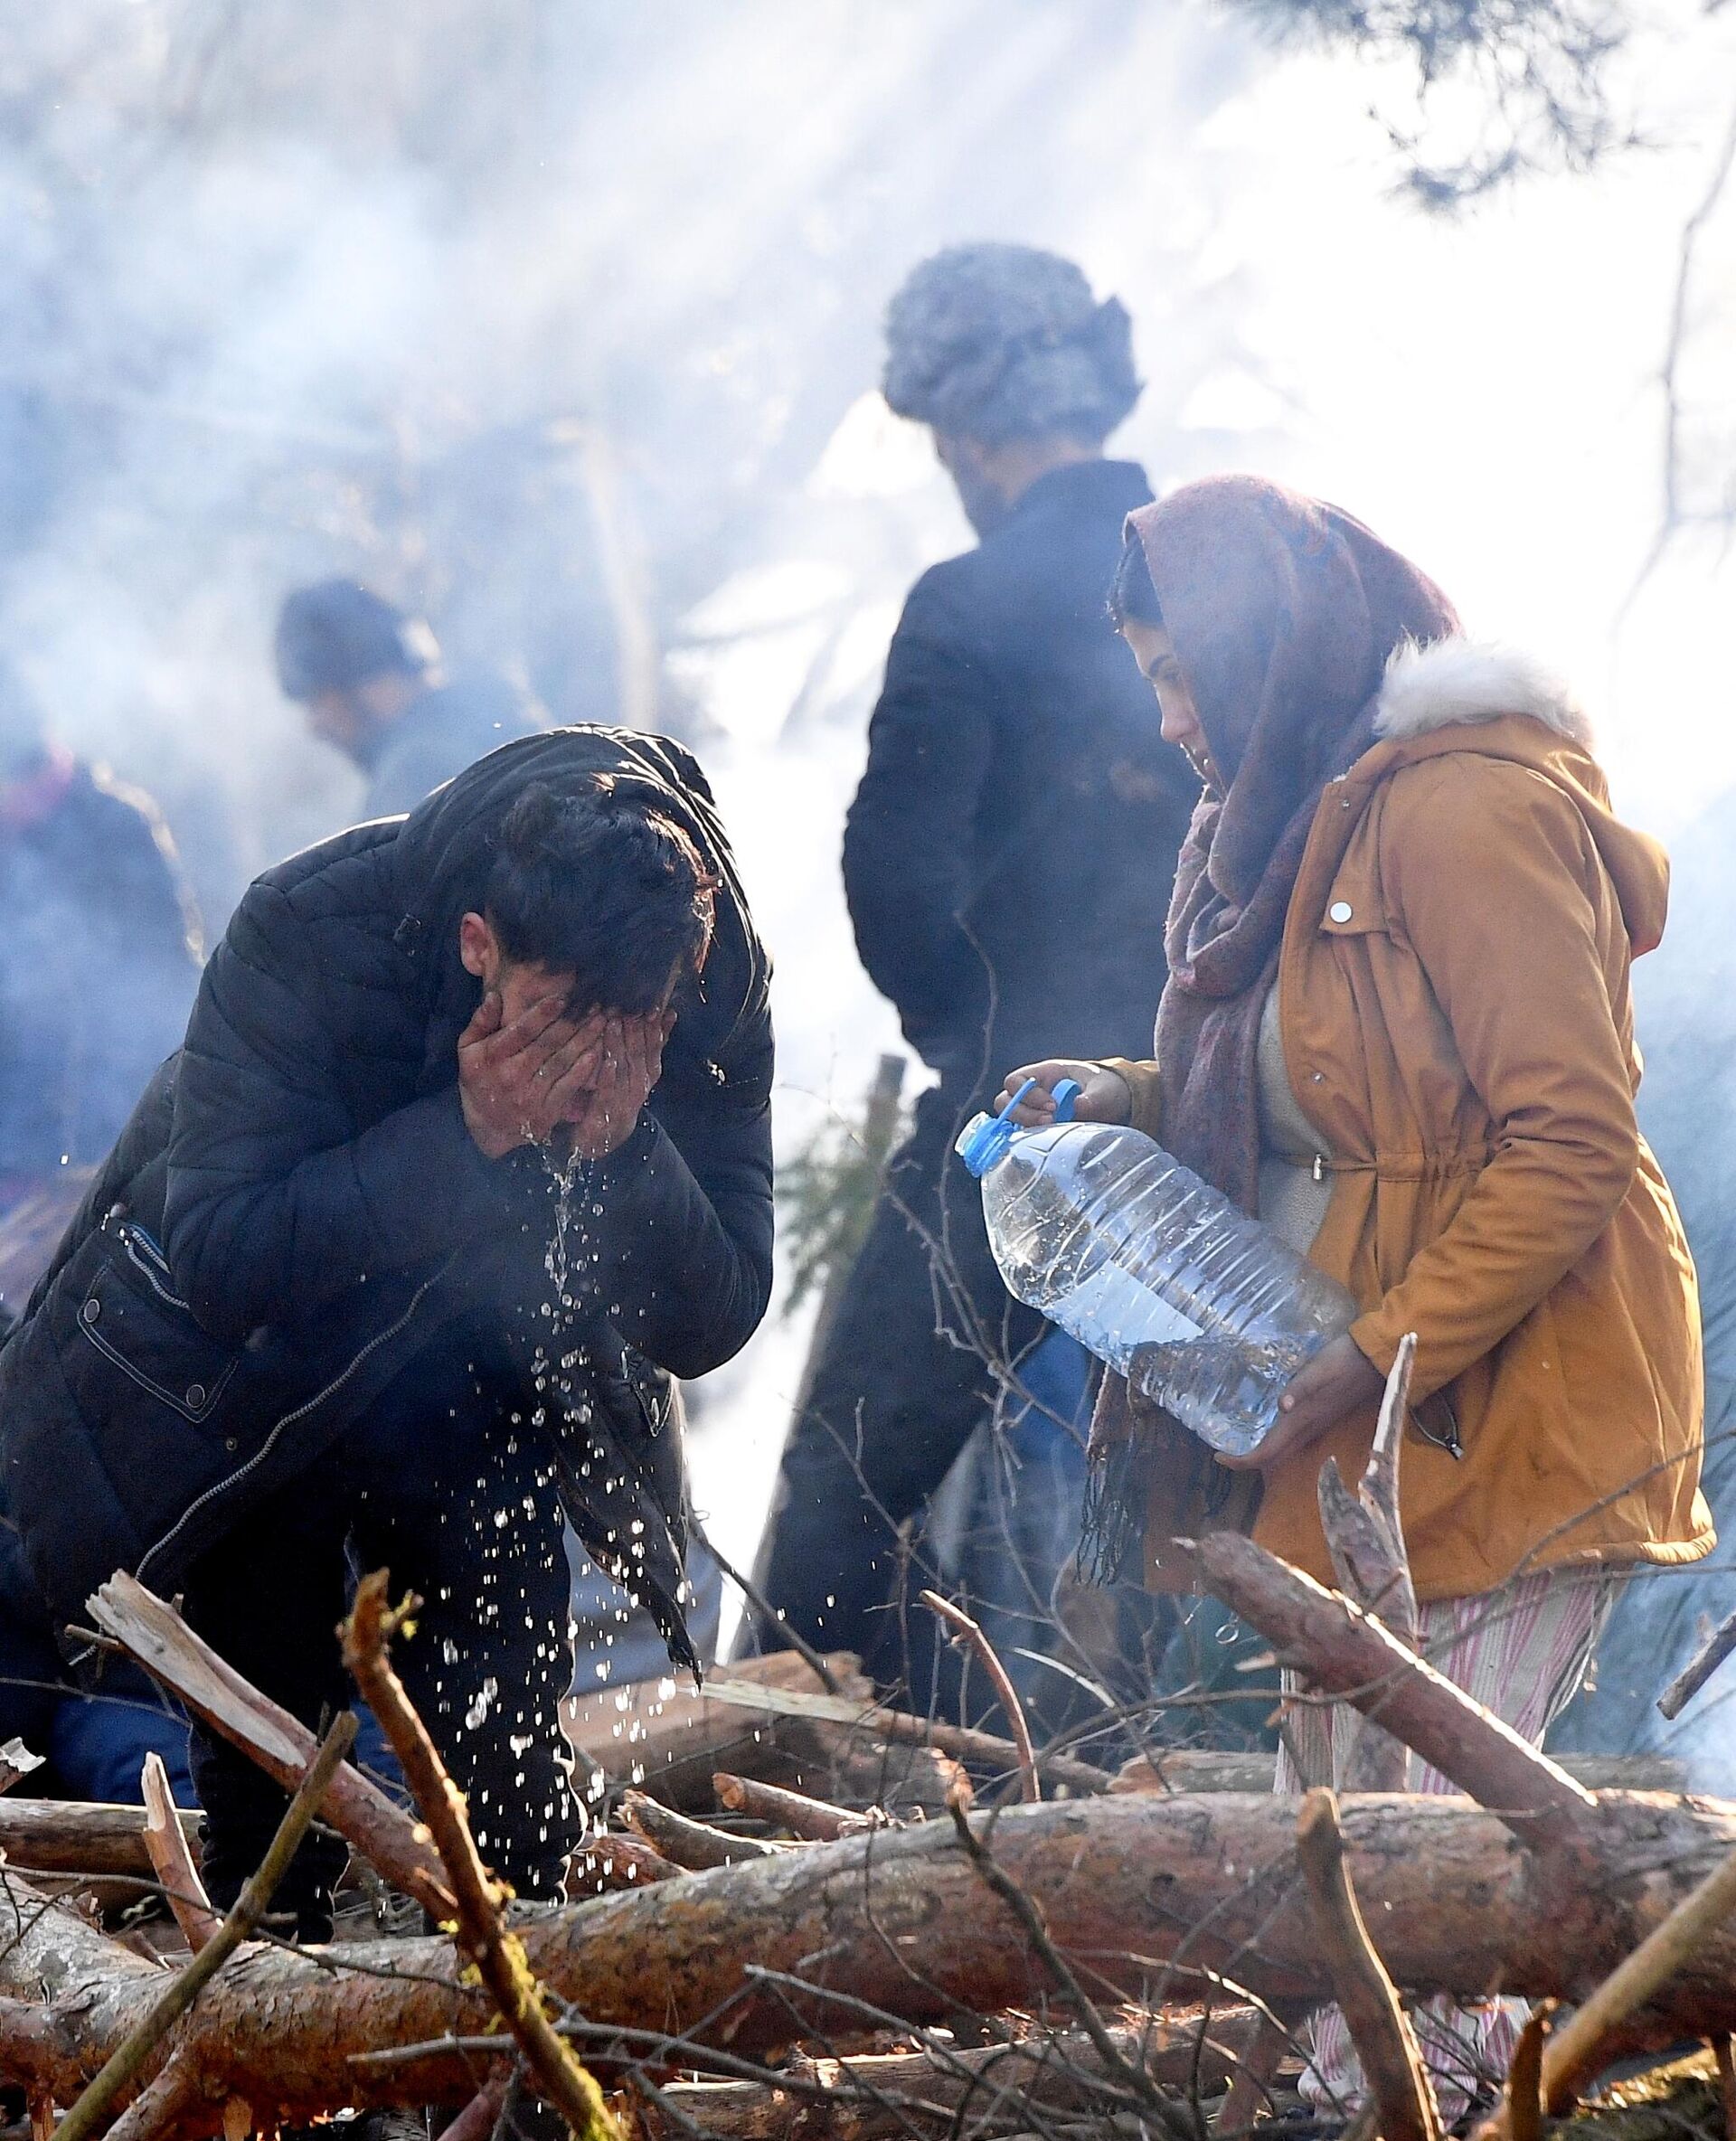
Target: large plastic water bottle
pixel 1154 1270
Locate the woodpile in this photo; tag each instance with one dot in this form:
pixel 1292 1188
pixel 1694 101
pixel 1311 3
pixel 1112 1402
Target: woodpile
pixel 820 1917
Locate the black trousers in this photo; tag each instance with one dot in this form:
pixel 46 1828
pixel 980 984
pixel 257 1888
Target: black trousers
pixel 442 1485
pixel 907 1373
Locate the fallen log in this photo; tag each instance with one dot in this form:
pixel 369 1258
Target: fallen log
pixel 811 1820
pixel 882 2095
pixel 177 2077
pixel 1210 1769
pixel 80 1837
pixel 852 1768
pixel 694 1845
pixel 606 1861
pixel 663 1737
pixel 963 1743
pixel 1158 1897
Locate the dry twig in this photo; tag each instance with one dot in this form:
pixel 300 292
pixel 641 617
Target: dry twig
pixel 968 1634
pixel 1379 2027
pixel 1699 1669
pixel 683 1841
pixel 606 1863
pixel 172 1858
pixel 479 1901
pixel 794 1811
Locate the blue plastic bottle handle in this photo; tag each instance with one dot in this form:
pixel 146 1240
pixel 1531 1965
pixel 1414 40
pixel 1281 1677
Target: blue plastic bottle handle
pixel 983 1145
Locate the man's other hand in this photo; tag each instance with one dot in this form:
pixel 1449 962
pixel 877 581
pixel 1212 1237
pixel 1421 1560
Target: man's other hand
pixel 605 1117
pixel 517 1080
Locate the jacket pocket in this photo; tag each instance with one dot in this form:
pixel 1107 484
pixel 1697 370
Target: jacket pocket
pixel 132 1316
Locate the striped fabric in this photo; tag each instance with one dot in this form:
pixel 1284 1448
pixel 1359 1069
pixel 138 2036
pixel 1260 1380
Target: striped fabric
pixel 1522 1651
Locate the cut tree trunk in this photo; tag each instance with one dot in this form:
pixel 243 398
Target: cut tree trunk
pixel 1144 1893
pixel 80 1837
pixel 1206 1769
pixel 666 1739
pixel 879 2097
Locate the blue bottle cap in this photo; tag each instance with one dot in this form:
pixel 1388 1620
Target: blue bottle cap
pixel 988 1136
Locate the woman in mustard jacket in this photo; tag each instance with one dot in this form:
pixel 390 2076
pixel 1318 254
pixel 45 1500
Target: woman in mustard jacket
pixel 1399 1027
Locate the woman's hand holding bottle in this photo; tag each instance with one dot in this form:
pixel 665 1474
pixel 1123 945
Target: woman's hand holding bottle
pixel 1338 1382
pixel 1103 1097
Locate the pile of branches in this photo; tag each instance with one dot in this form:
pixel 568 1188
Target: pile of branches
pixel 825 1917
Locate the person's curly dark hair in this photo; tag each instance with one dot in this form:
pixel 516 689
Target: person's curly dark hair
pixel 1002 341
pixel 596 884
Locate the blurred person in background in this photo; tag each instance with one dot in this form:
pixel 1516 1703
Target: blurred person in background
pixel 100 964
pixel 1008 860
pixel 101 954
pixel 370 679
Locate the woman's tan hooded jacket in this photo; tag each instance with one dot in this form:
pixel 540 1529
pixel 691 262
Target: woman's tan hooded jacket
pixel 1457 1022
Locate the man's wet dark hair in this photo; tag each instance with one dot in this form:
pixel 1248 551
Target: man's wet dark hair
pixel 1133 599
pixel 598 885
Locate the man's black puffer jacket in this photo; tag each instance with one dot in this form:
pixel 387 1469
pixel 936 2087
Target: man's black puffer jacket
pixel 296 1206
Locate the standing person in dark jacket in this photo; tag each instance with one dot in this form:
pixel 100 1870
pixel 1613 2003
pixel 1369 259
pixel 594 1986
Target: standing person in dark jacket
pixel 94 897
pixel 1008 855
pixel 461 1164
pixel 371 680
pixel 98 974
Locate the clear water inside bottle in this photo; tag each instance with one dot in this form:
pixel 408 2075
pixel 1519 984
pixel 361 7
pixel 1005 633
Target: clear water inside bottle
pixel 1101 1229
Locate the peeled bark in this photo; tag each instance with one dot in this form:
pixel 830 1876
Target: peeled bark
pixel 1141 1892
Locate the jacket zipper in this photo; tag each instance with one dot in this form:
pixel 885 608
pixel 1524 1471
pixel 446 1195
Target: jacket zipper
pixel 151 1263
pixel 289 1421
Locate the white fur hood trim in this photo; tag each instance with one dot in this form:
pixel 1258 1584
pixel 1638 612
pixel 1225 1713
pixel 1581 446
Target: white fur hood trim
pixel 1471 680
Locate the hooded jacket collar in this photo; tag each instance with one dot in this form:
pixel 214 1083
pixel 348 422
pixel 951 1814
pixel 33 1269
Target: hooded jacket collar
pixel 1460 694
pixel 1455 681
